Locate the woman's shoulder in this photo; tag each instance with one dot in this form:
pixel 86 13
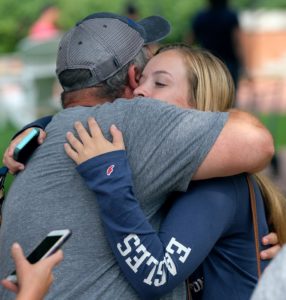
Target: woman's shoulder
pixel 221 183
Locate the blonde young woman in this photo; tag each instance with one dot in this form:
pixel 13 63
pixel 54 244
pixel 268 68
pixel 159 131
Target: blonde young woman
pixel 207 231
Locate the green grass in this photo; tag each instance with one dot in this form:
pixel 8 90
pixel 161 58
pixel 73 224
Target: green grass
pixel 276 123
pixel 6 134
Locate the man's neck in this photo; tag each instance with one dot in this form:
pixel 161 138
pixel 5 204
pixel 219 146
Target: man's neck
pixel 85 102
pixel 90 97
pixel 84 97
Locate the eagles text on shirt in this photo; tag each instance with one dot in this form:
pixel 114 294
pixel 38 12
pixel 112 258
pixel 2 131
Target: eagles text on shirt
pixel 157 274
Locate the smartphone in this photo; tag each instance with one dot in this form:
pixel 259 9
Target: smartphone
pixel 49 245
pixel 26 147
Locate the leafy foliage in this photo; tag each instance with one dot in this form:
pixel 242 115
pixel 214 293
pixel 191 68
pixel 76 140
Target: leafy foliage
pixel 17 16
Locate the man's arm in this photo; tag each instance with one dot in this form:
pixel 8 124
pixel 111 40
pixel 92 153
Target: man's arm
pixel 244 145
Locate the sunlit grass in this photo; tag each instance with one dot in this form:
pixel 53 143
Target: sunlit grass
pixel 6 134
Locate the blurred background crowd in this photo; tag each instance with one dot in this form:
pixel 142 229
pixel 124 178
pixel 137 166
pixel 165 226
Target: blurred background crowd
pixel 248 35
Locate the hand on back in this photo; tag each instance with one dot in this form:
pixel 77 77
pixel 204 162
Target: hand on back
pixel 91 144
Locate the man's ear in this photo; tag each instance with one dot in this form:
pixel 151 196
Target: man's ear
pixel 133 76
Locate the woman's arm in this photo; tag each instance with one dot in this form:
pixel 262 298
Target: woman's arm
pixel 153 263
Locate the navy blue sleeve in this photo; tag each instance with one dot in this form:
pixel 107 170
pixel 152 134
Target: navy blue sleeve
pixel 40 123
pixel 155 263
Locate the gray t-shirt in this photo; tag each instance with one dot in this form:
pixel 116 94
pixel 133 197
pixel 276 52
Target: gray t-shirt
pixel 272 285
pixel 165 146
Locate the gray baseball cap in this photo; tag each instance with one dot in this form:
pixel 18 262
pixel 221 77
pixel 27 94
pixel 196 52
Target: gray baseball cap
pixel 105 42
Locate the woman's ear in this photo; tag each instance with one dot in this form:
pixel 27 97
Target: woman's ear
pixel 133 76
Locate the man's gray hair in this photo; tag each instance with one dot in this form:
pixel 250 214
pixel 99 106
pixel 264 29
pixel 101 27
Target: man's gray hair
pixel 113 87
pixel 110 89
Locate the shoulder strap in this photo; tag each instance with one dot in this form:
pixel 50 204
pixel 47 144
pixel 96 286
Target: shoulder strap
pixel 255 224
pixel 3 173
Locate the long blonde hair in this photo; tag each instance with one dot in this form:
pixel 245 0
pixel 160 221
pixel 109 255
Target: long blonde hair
pixel 211 88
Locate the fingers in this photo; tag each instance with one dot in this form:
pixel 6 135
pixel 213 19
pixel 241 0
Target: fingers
pixel 91 145
pixel 55 258
pixel 14 143
pixel 18 255
pixel 117 137
pixel 9 285
pixel 95 130
pixel 42 136
pixel 270 239
pixel 270 253
pixel 17 140
pixel 74 142
pixel 71 153
pixel 82 132
pixel 8 160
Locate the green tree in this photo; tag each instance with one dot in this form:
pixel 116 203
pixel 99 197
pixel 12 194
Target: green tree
pixel 16 16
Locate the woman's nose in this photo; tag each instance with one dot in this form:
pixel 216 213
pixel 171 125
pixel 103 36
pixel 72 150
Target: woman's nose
pixel 139 91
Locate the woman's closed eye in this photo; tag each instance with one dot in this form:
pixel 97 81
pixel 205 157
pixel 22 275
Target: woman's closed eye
pixel 160 84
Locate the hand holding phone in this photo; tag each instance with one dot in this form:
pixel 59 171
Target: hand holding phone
pixel 27 146
pixel 34 280
pixel 49 245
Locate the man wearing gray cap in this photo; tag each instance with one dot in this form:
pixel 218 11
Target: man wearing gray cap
pixel 99 60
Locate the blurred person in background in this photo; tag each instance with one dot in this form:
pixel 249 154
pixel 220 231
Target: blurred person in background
pixel 131 11
pixel 216 28
pixel 46 26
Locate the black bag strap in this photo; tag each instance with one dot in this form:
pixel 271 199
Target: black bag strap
pixel 255 223
pixel 3 173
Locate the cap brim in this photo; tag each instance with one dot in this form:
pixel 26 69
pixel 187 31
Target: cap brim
pixel 156 28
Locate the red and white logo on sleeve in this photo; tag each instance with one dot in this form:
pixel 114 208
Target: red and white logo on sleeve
pixel 109 170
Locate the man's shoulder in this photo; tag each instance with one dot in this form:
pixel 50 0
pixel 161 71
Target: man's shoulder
pixel 145 107
pixel 140 102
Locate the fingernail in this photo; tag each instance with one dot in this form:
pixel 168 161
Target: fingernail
pixel 263 255
pixel 114 126
pixel 16 245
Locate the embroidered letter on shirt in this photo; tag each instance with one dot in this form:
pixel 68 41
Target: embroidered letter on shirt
pixel 143 258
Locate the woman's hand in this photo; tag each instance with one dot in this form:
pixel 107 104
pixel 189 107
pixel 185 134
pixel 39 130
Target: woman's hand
pixel 93 144
pixel 34 280
pixel 270 239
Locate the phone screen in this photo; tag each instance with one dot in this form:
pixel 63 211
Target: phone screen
pixel 42 249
